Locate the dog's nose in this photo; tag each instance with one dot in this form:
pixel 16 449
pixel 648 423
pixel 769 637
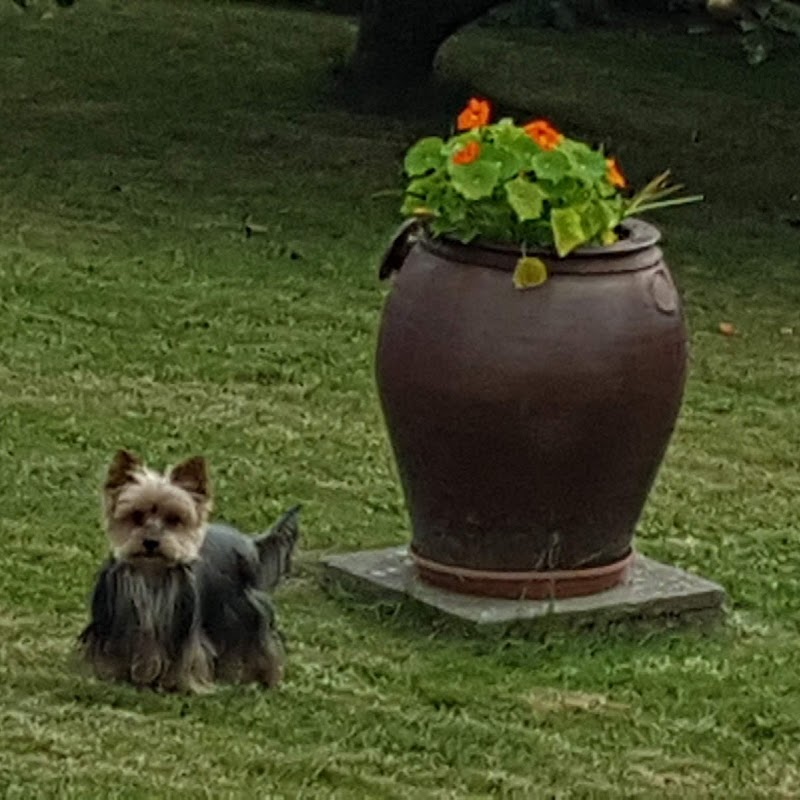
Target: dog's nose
pixel 150 545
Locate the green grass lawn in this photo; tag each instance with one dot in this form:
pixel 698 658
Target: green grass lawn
pixel 135 141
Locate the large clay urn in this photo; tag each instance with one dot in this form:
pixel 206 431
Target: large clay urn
pixel 528 425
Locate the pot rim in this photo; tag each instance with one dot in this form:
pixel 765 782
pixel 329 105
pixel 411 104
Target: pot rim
pixel 634 252
pixel 640 235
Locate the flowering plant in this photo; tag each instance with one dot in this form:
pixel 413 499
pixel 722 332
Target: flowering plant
pixel 527 184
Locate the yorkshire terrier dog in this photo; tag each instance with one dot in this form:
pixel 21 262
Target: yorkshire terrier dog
pixel 182 603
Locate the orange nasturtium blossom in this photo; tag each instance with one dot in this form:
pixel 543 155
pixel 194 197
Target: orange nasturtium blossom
pixel 467 154
pixel 475 115
pixel 615 175
pixel 544 134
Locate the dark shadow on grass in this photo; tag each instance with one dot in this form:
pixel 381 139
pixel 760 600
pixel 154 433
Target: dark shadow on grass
pixel 436 102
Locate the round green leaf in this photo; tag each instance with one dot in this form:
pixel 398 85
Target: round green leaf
pixel 586 164
pixel 526 198
pixel 475 180
pixel 509 161
pixel 550 165
pixel 424 156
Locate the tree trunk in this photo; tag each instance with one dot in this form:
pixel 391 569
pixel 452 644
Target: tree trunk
pixel 398 41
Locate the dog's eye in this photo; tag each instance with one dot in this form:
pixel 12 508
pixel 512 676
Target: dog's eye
pixel 137 517
pixel 173 520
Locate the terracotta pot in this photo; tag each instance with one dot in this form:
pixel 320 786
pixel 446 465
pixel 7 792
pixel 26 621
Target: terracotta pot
pixel 528 426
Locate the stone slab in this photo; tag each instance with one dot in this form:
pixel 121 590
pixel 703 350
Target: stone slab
pixel 653 590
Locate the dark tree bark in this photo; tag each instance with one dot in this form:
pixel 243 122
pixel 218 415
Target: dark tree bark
pixel 398 41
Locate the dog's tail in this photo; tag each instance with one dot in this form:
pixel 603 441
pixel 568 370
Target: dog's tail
pixel 276 547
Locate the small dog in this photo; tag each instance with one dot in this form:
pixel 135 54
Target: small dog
pixel 181 603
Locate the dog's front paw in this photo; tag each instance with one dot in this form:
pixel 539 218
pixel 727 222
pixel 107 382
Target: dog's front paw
pixel 272 663
pixel 147 662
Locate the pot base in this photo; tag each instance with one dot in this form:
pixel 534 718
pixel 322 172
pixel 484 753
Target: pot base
pixel 530 585
pixel 654 594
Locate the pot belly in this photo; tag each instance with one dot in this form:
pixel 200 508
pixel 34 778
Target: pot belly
pixel 528 426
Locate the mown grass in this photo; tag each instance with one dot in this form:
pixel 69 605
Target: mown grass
pixel 135 142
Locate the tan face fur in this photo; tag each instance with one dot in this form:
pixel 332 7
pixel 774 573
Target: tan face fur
pixel 153 519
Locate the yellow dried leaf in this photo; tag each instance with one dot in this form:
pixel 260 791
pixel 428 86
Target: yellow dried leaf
pixel 608 237
pixel 529 272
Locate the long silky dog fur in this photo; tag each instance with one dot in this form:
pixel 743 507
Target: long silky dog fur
pixel 186 626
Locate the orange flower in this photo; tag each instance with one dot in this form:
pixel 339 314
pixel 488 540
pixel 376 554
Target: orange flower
pixel 615 175
pixel 544 134
pixel 467 154
pixel 475 115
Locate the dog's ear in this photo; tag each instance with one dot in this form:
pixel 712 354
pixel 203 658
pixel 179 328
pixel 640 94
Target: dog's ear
pixel 120 473
pixel 192 476
pixel 121 470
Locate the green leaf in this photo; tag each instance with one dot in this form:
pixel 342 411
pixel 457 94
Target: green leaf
pixel 567 192
pixel 608 237
pixel 424 156
pixel 510 162
pixel 422 187
pixel 526 198
pixel 463 231
pixel 452 205
pixel 605 189
pixel 421 193
pixel 510 137
pixel 514 139
pixel 495 220
pixel 529 272
pixel 550 165
pixel 535 233
pixel 475 180
pixel 414 207
pixel 567 230
pixel 588 165
pixel 598 217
